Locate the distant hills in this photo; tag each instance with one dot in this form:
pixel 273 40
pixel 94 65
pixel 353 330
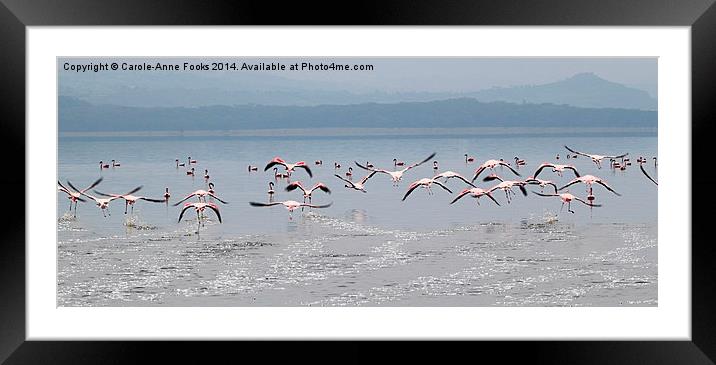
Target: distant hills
pixel 181 90
pixel 81 116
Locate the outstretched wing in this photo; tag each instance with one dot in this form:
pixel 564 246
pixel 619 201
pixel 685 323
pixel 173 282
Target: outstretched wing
pixel 553 185
pixel 491 197
pixel 363 181
pixel 420 163
pixel 577 152
pixel 442 186
pixel 181 201
pixel 620 156
pixel 491 177
pixel 542 194
pixel 602 183
pixel 79 191
pixel 569 184
pixel 152 200
pixel 478 172
pixel 643 171
pixel 522 189
pixel 295 185
pixel 573 169
pixel 316 206
pixel 410 190
pixel 585 202
pixel 459 196
pixel 370 169
pixel 182 212
pixel 256 204
pixel 217 198
pixel 464 179
pixel 134 190
pixel 348 181
pixel 510 167
pixel 542 166
pixel 322 187
pixel 216 210
pixel 274 162
pixel 105 194
pixel 304 166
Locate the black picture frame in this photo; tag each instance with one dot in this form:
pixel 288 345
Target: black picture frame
pixel 16 15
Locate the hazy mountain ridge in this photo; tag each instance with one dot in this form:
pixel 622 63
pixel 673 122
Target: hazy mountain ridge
pixel 76 115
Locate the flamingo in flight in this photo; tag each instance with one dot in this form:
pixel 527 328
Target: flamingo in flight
pixel 201 194
pixel 166 194
pixel 360 186
pixel 75 196
pixel 568 198
pixel 425 183
pixel 541 183
pixel 289 166
pixel 199 208
pixel 506 186
pixel 103 165
pixel 597 159
pixel 271 191
pixel 397 175
pixel 291 205
pixel 307 192
pixel 450 174
pixel 130 199
pixel 589 180
pixel 491 164
pixel 475 193
pixel 641 166
pixel 559 169
pixel 102 203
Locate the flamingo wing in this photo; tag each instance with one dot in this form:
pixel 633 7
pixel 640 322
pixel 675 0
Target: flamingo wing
pixel 365 179
pixel 181 214
pixel 134 190
pixel 295 185
pixel 542 166
pixel 94 184
pixel 510 167
pixel 491 177
pixel 573 170
pixel 256 204
pixel 553 185
pixel 217 198
pixel 491 197
pixel 620 156
pixel 542 194
pixel 569 184
pixel 644 172
pixel 308 170
pixel 183 200
pixel 105 194
pixel 585 202
pixel 421 162
pixel 577 152
pixel 152 200
pixel 459 196
pixel 274 162
pixel 410 190
pixel 522 189
pixel 602 183
pixel 478 172
pixel 442 186
pixel 464 179
pixel 347 181
pixel 316 206
pixel 216 210
pixel 322 187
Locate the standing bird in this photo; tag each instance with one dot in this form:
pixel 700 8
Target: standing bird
pixel 360 186
pixel 307 192
pixel 491 164
pixel 425 183
pixel 102 203
pixel 190 161
pixel 179 164
pixel 206 174
pixel 450 174
pixel 289 166
pixel 166 195
pixel 475 193
pixel 75 196
pixel 557 157
pixel 336 165
pixel 199 208
pixel 567 198
pixel 291 205
pixel 115 164
pixel 589 180
pixel 103 165
pixel 519 162
pixel 597 159
pixel 349 174
pixel 469 159
pixel 211 188
pixel 396 176
pixel 190 172
pixel 271 192
pixel 398 163
pixel 654 161
pixel 559 169
pixel 641 166
pixel 130 199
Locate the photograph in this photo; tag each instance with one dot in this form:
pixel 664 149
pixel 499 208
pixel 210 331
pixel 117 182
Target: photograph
pixel 357 181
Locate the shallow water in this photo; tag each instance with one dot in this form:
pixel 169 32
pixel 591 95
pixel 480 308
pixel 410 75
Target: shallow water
pixel 367 249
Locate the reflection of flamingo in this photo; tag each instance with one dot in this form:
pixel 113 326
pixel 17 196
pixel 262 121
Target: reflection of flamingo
pixel 130 199
pixel 589 180
pixel 291 205
pixel 426 183
pixel 491 164
pixel 199 208
pixel 289 166
pixel 567 198
pixel 75 196
pixel 597 159
pixel 307 192
pixel 253 168
pixel 360 186
pixel 475 193
pixel 102 203
pixel 396 176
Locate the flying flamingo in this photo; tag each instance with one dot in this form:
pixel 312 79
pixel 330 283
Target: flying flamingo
pixel 102 203
pixel 567 198
pixel 475 193
pixel 75 196
pixel 199 208
pixel 200 194
pixel 307 192
pixel 396 176
pixel 597 159
pixel 506 186
pixel 271 192
pixel 425 183
pixel 559 169
pixel 360 186
pixel 349 174
pixel 211 188
pixel 291 205
pixel 289 166
pixel 277 175
pixel 589 180
pixel 541 183
pixel 450 174
pixel 130 199
pixel 190 161
pixel 206 174
pixel 469 159
pixel 641 166
pixel 491 164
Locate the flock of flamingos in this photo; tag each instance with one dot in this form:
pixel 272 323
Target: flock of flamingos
pixel 620 162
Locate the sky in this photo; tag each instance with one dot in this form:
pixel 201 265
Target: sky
pixel 405 74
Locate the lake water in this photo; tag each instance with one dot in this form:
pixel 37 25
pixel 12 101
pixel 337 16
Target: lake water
pixel 366 249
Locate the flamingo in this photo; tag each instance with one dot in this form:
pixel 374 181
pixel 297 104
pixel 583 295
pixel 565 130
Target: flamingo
pixel 115 164
pixel 475 193
pixel 190 172
pixel 103 165
pixel 396 176
pixel 179 164
pixel 654 161
pixel 360 186
pixel 491 164
pixel 469 159
pixel 519 162
pixel 277 175
pixel 166 194
pixel 450 174
pixel 541 183
pixel 425 183
pixel 199 208
pixel 589 180
pixel 190 161
pixel 557 157
pixel 349 174
pixel 253 168
pixel 289 166
pixel 435 165
pixel 641 166
pixel 559 169
pixel 398 163
pixel 506 186
pixel 206 174
pixel 102 203
pixel 307 192
pixel 597 159
pixel 200 194
pixel 75 196
pixel 568 198
pixel 130 199
pixel 291 205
